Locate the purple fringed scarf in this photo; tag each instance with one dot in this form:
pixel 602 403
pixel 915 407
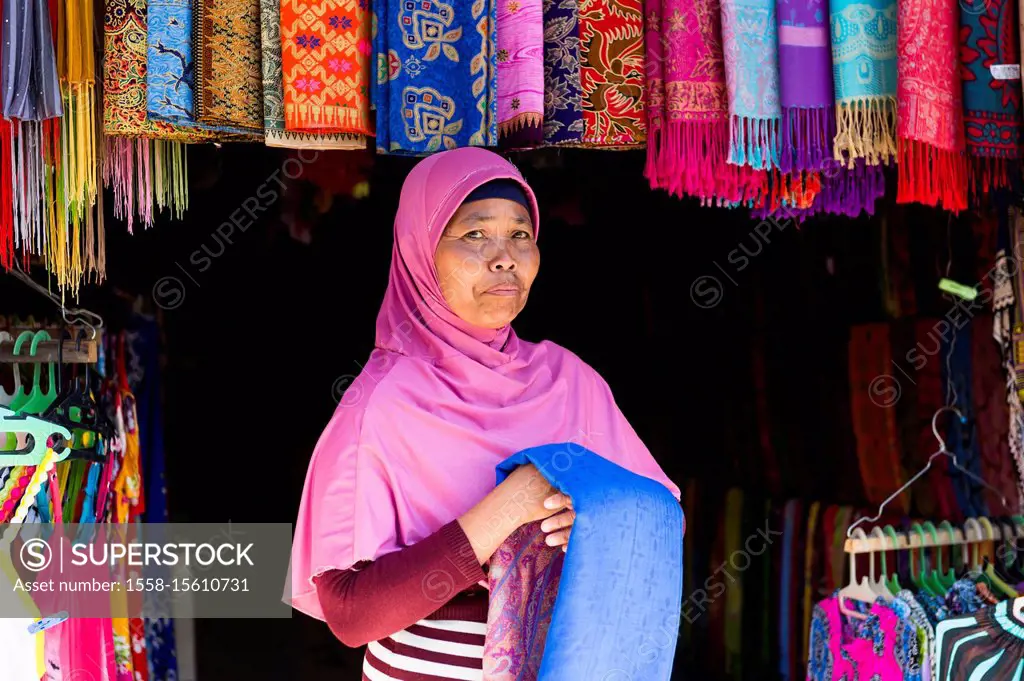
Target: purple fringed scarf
pixel 805 85
pixel 844 191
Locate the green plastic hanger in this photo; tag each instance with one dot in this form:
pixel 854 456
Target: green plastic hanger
pixel 42 432
pixel 38 400
pixel 931 578
pixel 948 578
pixel 918 576
pixel 990 571
pixel 21 395
pixel 893 581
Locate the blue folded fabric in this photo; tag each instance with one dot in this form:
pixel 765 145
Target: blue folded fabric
pixel 618 608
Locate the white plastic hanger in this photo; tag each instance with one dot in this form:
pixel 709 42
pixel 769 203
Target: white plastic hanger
pixel 858 591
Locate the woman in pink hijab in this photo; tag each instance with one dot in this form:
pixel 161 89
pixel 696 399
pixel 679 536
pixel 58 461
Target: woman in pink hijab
pixel 400 512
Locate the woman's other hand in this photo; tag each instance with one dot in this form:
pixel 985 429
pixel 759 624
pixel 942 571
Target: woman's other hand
pixel 558 526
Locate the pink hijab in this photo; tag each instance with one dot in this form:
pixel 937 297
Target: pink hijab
pixel 417 435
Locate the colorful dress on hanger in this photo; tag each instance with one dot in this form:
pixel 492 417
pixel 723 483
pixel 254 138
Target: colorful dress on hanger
pixel 986 646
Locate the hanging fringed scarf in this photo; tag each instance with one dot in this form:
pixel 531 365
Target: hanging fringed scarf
pixel 751 71
pixel 170 67
pixel 229 78
pixel 864 73
pixel 929 127
pixel 29 86
pixel 563 107
pixel 790 195
pixel 520 73
pixel 326 62
pixel 850 191
pixel 73 151
pixel 612 73
pixel 436 76
pixel 991 91
pixel 689 153
pixel 806 93
pixel 273 94
pixel 144 159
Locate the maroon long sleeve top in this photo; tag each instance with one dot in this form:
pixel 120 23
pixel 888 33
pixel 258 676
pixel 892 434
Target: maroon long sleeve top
pixel 436 578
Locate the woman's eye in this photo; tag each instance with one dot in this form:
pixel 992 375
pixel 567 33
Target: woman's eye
pixel 474 235
pixel 521 234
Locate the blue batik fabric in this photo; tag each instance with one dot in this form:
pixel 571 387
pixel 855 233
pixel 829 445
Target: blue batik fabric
pixel 436 85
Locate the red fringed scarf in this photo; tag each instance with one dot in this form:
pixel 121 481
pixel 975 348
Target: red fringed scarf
pixel 989 53
pixel 929 121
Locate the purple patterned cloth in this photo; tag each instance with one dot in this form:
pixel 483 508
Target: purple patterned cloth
pixel 563 108
pixel 805 84
pixel 523 577
pixel 521 71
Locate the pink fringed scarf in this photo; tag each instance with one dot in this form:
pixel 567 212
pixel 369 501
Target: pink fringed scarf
pixel 688 143
pixel 929 113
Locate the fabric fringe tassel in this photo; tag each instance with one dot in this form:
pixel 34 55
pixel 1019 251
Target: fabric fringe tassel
pixel 807 135
pixel 6 195
pixel 850 192
pixel 988 173
pixel 28 193
pixel 790 195
pixel 754 142
pixel 689 158
pixel 145 173
pixel 866 129
pixel 932 176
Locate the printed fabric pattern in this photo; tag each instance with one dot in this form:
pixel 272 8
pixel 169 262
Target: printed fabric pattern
pixel 986 646
pixel 563 107
pixel 229 91
pixel 326 62
pixel 523 576
pixel 521 70
pixel 864 74
pixel 436 85
pixel 612 73
pixel 749 37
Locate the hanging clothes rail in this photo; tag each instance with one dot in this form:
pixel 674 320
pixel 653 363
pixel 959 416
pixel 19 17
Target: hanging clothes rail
pixel 945 537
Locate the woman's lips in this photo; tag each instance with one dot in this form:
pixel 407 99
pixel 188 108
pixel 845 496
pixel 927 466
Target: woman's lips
pixel 503 290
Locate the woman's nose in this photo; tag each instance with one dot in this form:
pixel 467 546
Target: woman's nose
pixel 501 259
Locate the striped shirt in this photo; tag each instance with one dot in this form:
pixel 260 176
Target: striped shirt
pixel 430 650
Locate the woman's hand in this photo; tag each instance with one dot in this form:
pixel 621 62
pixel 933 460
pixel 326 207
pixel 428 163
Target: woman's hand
pixel 525 496
pixel 559 526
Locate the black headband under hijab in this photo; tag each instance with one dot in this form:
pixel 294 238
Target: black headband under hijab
pixel 501 189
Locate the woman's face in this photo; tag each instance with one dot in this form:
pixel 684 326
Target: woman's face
pixel 486 261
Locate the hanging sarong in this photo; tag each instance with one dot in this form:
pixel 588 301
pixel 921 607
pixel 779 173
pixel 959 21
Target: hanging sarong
pixel 563 108
pixel 990 54
pixel 436 76
pixel 864 73
pixel 170 69
pixel 612 73
pixel 29 86
pixel 929 127
pixel 806 93
pixel 273 94
pixel 325 59
pixel 751 72
pixel 229 77
pixel 689 145
pixel 520 73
